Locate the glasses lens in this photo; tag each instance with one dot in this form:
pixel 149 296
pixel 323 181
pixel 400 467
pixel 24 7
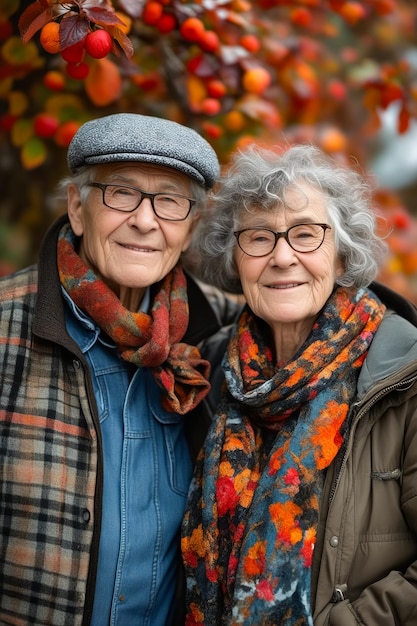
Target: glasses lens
pixel 256 242
pixel 121 198
pixel 171 207
pixel 306 237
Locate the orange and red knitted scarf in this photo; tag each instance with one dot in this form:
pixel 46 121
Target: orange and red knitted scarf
pixel 253 507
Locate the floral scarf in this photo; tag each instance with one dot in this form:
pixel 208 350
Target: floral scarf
pixel 250 525
pixel 146 340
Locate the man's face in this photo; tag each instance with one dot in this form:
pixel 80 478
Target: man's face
pixel 130 250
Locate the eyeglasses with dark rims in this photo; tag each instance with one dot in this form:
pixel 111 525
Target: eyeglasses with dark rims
pixel 167 206
pixel 262 241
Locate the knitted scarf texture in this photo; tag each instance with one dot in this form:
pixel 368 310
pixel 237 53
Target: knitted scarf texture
pixel 148 340
pixel 250 526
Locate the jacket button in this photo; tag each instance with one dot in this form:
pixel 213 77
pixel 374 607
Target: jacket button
pixel 86 516
pixel 334 541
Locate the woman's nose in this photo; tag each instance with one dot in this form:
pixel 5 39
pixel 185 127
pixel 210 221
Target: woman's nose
pixel 283 254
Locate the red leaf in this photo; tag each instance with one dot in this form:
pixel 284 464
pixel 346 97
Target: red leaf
pixel 101 16
pixel 73 28
pixel 33 18
pixel 122 40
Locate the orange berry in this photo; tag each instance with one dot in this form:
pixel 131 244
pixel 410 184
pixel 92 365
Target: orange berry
pixel 333 140
pixel 192 29
pixel 74 53
pixel 54 80
pixel 98 43
pixel 79 71
pixel 352 12
pixel 166 23
pixel 152 12
pixel 65 133
pixel 234 121
pixel 251 43
pixel 300 16
pixel 256 80
pixel 49 38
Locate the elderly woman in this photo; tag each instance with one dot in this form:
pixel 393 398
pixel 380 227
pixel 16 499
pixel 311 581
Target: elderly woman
pixel 101 386
pixel 303 508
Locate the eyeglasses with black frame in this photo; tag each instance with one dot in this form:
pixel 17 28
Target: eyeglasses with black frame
pixel 259 242
pixel 167 206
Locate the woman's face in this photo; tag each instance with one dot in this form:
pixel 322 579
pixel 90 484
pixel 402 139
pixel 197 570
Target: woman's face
pixel 287 289
pixel 130 250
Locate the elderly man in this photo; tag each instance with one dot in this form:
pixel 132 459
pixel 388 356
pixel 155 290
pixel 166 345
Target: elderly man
pixel 101 383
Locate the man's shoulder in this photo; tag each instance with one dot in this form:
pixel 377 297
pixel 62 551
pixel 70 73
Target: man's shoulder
pixel 19 285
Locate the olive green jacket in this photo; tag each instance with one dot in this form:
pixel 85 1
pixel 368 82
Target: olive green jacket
pixel 365 561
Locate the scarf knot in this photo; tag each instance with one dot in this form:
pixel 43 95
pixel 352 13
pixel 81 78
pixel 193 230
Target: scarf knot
pixel 148 340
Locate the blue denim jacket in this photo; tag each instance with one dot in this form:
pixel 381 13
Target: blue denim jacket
pixel 147 470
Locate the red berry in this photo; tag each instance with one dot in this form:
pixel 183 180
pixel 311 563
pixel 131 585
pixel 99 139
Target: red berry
pixel 250 42
pixel 78 70
pixel 216 88
pixel 74 53
pixel 211 106
pixel 6 122
pixel 45 125
pixel 66 132
pixel 98 43
pixel 166 23
pixel 209 41
pixel 212 130
pixel 194 63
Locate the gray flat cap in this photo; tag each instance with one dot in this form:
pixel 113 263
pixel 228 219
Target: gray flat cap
pixel 134 137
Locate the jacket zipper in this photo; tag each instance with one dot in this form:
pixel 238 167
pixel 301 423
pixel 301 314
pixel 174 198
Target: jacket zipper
pixel 405 384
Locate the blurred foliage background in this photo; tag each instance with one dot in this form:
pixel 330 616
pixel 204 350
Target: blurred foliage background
pixel 341 74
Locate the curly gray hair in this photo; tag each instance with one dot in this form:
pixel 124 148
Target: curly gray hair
pixel 260 179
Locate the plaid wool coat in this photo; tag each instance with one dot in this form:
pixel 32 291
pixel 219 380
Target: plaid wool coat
pixel 51 464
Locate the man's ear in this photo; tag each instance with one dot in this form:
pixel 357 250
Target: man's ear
pixel 74 209
pixel 193 226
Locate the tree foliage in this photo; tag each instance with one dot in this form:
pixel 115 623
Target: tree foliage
pixel 273 71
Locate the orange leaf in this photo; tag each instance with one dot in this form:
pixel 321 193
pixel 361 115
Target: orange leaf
pixel 104 83
pixel 196 92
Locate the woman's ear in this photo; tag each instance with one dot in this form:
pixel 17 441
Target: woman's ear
pixel 74 209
